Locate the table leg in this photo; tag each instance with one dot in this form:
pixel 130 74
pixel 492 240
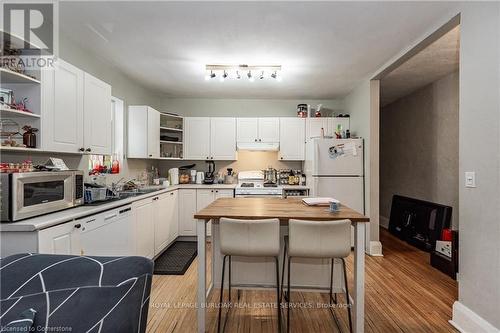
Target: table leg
pixel 201 298
pixel 359 278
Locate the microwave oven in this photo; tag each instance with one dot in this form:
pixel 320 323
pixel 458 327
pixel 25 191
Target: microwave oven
pixel 30 194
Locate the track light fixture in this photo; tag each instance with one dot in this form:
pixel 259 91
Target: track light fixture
pixel 234 72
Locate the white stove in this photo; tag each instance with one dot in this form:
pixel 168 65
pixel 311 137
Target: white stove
pixel 251 184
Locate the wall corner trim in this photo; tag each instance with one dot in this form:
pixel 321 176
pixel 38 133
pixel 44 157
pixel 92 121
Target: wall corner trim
pixel 467 321
pixel 375 249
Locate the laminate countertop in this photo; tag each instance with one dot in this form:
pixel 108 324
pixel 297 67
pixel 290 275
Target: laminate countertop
pixel 283 209
pixel 52 219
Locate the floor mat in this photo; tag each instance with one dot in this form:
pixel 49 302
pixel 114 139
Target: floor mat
pixel 176 259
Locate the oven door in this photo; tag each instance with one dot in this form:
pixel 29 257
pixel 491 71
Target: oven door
pixel 40 193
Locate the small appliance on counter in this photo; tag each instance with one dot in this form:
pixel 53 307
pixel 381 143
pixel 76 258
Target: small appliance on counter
pixel 185 173
pixel 200 177
pixel 209 177
pixel 173 176
pixel 270 176
pixel 30 194
pixel 229 178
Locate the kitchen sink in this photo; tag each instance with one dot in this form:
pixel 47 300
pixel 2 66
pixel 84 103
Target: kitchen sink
pixel 123 195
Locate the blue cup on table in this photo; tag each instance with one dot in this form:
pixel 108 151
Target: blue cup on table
pixel 334 206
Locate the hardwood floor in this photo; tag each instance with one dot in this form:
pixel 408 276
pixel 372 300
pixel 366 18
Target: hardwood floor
pixel 403 294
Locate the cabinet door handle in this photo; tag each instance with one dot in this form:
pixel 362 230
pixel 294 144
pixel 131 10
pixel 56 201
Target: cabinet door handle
pixel 81 149
pixel 260 140
pixel 78 226
pixel 207 158
pixel 216 191
pixel 88 150
pixel 171 193
pixel 255 140
pixel 110 217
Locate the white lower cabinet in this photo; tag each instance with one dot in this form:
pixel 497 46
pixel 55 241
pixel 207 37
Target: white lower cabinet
pixel 187 209
pixel 205 197
pixel 61 239
pixel 165 216
pixel 144 228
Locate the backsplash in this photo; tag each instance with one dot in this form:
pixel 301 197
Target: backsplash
pixel 247 160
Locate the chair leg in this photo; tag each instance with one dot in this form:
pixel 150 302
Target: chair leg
pixel 221 292
pixel 283 271
pixel 229 273
pixel 331 283
pixel 347 295
pixel 289 297
pixel 278 296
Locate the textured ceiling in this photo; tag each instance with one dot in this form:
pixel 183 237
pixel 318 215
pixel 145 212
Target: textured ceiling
pixel 432 63
pixel 325 48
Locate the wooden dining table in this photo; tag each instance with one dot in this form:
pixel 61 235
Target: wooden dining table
pixel 284 210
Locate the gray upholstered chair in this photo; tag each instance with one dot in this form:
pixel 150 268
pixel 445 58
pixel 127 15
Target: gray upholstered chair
pixel 77 293
pixel 318 239
pixel 249 238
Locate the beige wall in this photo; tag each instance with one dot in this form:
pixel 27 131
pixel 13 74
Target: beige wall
pixel 419 146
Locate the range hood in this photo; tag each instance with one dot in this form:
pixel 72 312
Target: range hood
pixel 258 146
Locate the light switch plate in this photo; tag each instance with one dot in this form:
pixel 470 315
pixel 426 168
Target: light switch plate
pixel 470 179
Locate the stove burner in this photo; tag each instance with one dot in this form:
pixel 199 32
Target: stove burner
pixel 270 185
pixel 247 185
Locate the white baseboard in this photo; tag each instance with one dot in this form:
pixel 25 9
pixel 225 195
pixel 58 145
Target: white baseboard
pixel 467 321
pixel 383 221
pixel 375 249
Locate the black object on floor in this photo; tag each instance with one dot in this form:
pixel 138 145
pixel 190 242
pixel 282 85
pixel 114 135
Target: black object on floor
pixel 176 259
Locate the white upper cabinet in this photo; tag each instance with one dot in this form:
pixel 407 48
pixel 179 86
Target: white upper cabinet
pixel 209 138
pixel 76 111
pixel 258 130
pixel 97 116
pixel 269 130
pixel 292 139
pixel 143 132
pixel 62 108
pixel 247 129
pixel 223 139
pixel 153 133
pixel 334 122
pixel 314 126
pixel 196 138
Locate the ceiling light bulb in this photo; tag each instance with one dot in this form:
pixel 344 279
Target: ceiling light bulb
pixel 223 76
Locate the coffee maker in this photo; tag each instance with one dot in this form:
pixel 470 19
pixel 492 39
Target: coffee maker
pixel 210 174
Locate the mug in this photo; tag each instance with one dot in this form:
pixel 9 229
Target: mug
pixel 334 206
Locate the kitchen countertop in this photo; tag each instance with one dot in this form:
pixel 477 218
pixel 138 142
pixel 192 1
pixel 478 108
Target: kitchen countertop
pixel 52 219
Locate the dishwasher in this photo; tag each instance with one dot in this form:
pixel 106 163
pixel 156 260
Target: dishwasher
pixel 108 234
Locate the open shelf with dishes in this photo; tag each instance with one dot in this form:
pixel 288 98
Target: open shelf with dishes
pixel 20 103
pixel 171 136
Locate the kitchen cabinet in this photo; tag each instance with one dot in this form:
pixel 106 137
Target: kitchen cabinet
pixel 110 233
pixel 223 139
pixel 314 126
pixel 165 217
pixel 143 132
pixel 257 130
pixel 292 139
pixel 196 138
pixel 187 209
pixel 205 197
pixel 209 138
pixel 62 108
pixel 97 116
pixel 76 111
pixel 60 239
pixel 144 228
pixel 334 122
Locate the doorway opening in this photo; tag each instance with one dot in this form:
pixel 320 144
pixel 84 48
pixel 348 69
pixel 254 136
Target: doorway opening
pixel 419 166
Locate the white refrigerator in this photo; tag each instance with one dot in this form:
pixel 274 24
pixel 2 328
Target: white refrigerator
pixel 334 168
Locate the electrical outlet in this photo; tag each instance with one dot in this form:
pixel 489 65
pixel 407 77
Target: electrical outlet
pixel 470 179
